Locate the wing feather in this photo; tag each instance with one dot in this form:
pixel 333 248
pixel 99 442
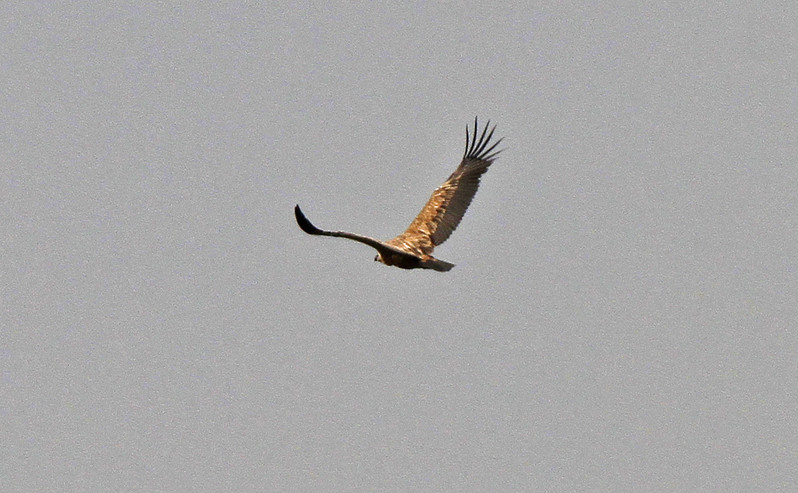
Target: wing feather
pixel 308 227
pixel 447 205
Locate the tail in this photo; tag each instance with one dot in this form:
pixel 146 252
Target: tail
pixel 436 264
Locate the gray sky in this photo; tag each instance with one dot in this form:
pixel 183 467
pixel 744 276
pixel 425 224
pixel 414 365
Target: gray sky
pixel 622 316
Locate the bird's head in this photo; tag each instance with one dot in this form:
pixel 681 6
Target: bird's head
pixel 378 258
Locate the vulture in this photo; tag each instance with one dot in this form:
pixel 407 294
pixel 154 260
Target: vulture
pixel 439 217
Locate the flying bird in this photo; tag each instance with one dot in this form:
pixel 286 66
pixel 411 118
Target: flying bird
pixel 439 217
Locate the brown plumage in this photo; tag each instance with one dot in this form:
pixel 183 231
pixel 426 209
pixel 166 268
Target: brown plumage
pixel 439 217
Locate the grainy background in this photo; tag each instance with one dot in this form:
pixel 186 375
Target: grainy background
pixel 623 312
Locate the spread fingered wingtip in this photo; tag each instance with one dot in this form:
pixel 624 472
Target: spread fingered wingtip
pixel 478 148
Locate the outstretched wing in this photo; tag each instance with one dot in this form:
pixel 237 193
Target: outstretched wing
pixel 448 203
pixel 310 229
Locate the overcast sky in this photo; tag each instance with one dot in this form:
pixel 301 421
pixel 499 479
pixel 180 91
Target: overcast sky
pixel 622 315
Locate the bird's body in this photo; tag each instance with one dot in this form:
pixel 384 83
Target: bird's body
pixel 439 217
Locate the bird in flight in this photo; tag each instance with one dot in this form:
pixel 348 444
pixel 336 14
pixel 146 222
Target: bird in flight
pixel 439 217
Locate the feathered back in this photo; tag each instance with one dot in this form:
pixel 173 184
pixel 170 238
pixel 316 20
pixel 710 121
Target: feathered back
pixel 447 205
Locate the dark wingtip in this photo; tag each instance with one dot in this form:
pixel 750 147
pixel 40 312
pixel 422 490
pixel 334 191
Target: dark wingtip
pixel 303 222
pixel 480 146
